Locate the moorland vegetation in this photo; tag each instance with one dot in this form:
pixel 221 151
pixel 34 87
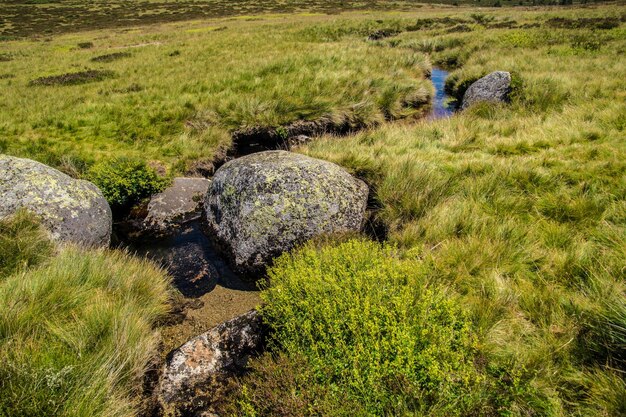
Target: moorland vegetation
pixel 499 287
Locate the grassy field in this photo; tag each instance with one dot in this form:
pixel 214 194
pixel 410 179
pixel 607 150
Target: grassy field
pixel 40 18
pixel 176 93
pixel 500 288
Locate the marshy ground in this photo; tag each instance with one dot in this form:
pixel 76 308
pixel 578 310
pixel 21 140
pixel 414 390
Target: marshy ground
pixel 515 212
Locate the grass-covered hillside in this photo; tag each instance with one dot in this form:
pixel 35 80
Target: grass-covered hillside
pixel 176 93
pixel 37 18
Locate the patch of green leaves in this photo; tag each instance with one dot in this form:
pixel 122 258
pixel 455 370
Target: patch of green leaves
pixel 125 181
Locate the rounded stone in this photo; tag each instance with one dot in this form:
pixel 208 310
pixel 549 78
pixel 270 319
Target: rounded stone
pixel 494 87
pixel 175 205
pixel 71 210
pixel 264 204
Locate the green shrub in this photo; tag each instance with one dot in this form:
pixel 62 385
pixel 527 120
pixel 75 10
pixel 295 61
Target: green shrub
pixel 364 330
pixel 23 243
pixel 77 334
pixel 125 181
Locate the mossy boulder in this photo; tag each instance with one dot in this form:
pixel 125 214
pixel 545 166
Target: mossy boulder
pixel 71 210
pixel 494 87
pixel 264 204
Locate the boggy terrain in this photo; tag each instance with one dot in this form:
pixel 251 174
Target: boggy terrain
pixel 499 287
pixel 37 18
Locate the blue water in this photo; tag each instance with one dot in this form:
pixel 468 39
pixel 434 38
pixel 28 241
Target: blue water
pixel 442 106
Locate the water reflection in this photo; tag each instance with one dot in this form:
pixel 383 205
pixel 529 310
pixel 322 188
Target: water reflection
pixel 443 105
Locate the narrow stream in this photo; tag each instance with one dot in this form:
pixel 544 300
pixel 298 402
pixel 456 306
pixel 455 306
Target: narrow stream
pixel 443 105
pixel 214 292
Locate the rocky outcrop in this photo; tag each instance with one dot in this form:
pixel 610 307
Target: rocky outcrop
pixel 263 204
pixel 194 372
pixel 180 202
pixel 71 210
pixel 494 87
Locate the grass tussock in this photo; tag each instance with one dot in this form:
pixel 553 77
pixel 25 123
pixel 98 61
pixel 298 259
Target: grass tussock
pixel 23 244
pixel 111 57
pixel 76 329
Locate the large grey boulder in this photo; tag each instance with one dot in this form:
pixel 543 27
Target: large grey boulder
pixel 71 210
pixel 178 203
pixel 494 87
pixel 263 204
pixel 196 371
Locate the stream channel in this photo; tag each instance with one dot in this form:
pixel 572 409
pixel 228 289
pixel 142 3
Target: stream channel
pixel 213 293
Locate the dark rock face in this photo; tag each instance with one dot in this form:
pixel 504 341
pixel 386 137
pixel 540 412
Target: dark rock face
pixel 71 210
pixel 494 87
pixel 178 203
pixel 264 204
pixel 198 369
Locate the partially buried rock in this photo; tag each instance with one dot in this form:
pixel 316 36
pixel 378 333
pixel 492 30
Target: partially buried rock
pixel 195 372
pixel 264 204
pixel 180 202
pixel 71 210
pixel 494 87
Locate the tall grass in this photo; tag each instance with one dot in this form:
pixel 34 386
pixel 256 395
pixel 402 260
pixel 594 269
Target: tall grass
pixel 76 332
pixel 23 244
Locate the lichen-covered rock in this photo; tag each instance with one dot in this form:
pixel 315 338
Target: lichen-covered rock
pixel 178 203
pixel 71 210
pixel 494 87
pixel 264 204
pixel 195 371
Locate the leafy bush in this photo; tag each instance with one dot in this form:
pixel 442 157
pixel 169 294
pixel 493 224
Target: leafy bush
pixel 76 334
pixel 124 181
pixel 364 330
pixel 23 243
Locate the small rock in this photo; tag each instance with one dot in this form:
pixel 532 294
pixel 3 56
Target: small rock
pixel 494 87
pixel 298 140
pixel 71 210
pixel 199 367
pixel 264 204
pixel 177 204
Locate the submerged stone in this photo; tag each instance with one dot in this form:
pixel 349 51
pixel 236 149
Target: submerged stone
pixel 180 202
pixel 264 204
pixel 71 210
